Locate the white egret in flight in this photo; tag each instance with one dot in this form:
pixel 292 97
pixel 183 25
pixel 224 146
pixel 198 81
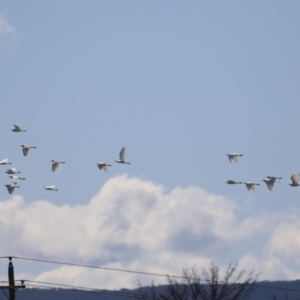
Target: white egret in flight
pixel 5 162
pixel 50 188
pixel 251 185
pixel 102 165
pixel 26 149
pixel 15 179
pixel 270 181
pixel 12 171
pixel 233 156
pixel 18 129
pixel 122 157
pixel 295 180
pixel 230 181
pixel 11 188
pixel 56 165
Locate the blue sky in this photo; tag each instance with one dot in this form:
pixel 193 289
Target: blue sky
pixel 179 85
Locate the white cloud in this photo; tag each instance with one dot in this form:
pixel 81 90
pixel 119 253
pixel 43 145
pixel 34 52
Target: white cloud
pixel 269 268
pixel 127 217
pixel 285 238
pixel 136 225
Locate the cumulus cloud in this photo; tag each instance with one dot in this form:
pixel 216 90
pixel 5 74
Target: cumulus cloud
pixel 134 224
pixel 285 241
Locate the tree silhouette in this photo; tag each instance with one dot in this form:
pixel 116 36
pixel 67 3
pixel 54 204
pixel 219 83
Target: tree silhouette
pixel 209 285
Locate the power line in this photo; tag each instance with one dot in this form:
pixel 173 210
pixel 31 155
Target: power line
pixel 135 272
pixel 76 290
pixel 120 293
pixel 83 290
pixel 95 267
pixel 75 287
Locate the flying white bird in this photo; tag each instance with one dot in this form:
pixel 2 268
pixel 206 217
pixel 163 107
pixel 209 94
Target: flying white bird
pixel 233 156
pixel 122 157
pixel 26 149
pixel 295 180
pixel 251 185
pixel 15 179
pixel 12 171
pixel 50 188
pixel 230 181
pixel 102 165
pixel 18 129
pixel 270 181
pixel 11 188
pixel 56 166
pixel 5 162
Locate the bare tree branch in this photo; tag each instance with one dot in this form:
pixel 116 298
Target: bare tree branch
pixel 208 286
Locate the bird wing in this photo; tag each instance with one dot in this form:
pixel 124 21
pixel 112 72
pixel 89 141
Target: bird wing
pixel 10 188
pixel 295 178
pixel 230 157
pixel 122 154
pixel 26 151
pixel 54 165
pixel 4 161
pixel 104 167
pixel 248 186
pixel 270 182
pixel 17 127
pixel 58 167
pixel 270 186
pixel 236 158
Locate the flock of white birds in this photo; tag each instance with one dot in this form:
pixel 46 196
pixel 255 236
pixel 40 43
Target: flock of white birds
pixel 56 165
pixel 269 180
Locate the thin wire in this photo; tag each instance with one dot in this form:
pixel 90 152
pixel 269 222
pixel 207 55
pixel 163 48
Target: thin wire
pixel 80 287
pixel 139 272
pixel 78 290
pixel 117 293
pixel 95 267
